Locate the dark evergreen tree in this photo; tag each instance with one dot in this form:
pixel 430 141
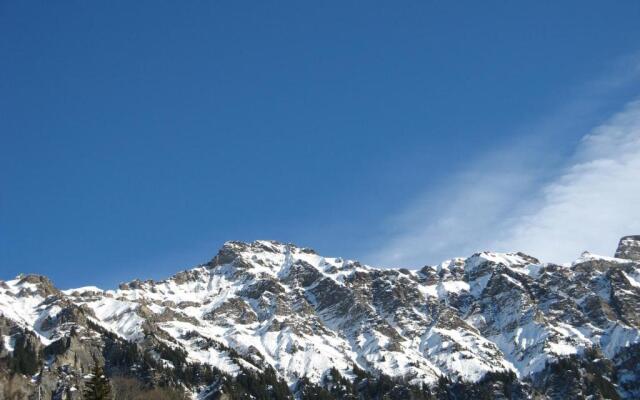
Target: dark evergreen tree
pixel 98 386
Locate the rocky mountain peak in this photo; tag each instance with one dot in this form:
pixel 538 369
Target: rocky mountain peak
pixel 233 251
pixel 33 283
pixel 629 248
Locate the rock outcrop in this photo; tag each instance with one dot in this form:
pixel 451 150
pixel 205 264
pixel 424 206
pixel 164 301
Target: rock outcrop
pixel 629 248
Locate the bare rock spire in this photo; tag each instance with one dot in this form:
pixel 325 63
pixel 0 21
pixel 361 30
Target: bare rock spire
pixel 629 248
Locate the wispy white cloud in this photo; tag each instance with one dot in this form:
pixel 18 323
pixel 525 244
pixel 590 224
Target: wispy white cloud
pixel 523 198
pixel 593 202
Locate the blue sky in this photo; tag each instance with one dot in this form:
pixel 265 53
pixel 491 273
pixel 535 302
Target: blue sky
pixel 137 138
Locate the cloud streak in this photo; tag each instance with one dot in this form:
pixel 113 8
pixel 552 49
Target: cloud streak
pixel 524 197
pixel 593 202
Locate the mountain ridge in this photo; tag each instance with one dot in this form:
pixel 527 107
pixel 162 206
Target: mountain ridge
pixel 272 309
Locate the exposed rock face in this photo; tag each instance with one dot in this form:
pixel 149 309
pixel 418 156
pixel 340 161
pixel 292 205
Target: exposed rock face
pixel 629 248
pixel 492 325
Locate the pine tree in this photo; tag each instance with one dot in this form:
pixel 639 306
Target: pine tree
pixel 98 386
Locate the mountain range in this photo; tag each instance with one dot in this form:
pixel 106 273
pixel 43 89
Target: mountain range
pixel 268 320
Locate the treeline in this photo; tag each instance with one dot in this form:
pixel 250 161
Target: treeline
pixel 366 386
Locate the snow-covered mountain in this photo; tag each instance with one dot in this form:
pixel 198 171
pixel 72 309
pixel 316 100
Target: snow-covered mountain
pixel 272 320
